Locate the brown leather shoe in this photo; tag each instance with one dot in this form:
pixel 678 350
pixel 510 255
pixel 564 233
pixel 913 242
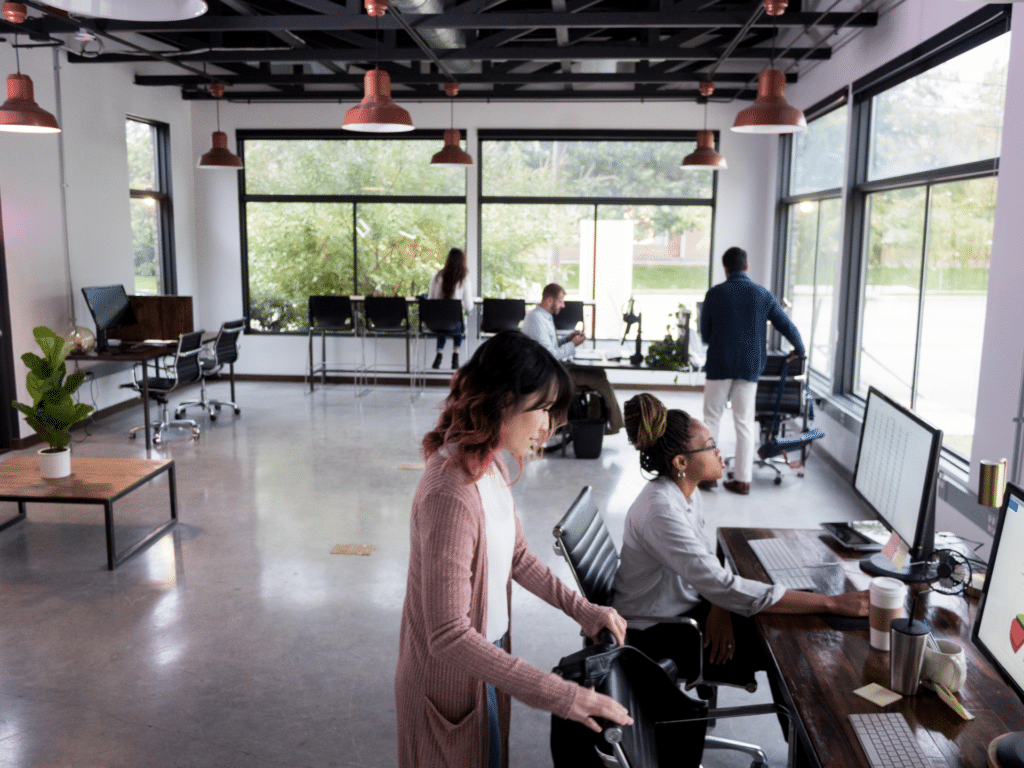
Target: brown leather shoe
pixel 707 485
pixel 743 489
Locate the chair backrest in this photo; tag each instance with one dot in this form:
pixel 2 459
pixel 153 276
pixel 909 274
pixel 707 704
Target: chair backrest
pixel 386 313
pixel 502 315
pixel 186 361
pixel 774 361
pixel 569 316
pixel 648 691
pixel 582 538
pixel 331 313
pixel 440 315
pixel 226 345
pixel 768 393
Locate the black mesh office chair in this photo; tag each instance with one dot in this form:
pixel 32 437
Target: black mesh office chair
pixel 500 315
pixel 212 359
pixel 582 538
pixel 328 316
pixel 437 317
pixel 569 316
pixel 172 373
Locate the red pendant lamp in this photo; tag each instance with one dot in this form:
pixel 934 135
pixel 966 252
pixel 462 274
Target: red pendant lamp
pixel 20 113
pixel 770 112
pixel 219 156
pixel 705 158
pixel 377 112
pixel 451 153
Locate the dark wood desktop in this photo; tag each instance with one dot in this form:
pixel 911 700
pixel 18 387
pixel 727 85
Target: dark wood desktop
pixel 819 668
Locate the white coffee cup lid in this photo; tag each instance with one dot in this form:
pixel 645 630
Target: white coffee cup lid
pixel 887 585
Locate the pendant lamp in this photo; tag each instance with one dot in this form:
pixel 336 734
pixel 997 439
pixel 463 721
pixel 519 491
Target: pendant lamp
pixel 377 112
pixel 15 12
pixel 770 112
pixel 133 10
pixel 452 153
pixel 219 156
pixel 705 158
pixel 20 113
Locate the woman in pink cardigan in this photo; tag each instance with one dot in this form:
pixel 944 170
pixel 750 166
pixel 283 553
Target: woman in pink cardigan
pixel 455 669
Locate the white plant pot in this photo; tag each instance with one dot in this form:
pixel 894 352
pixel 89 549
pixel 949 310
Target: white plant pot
pixel 55 463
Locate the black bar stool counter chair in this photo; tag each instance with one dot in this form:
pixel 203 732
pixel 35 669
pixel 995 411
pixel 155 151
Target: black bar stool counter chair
pixel 172 373
pixel 212 358
pixel 500 315
pixel 437 317
pixel 384 317
pixel 328 316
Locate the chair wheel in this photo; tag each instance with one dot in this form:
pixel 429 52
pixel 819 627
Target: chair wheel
pixel 217 407
pixel 778 481
pixel 238 411
pixel 213 417
pixel 178 414
pixel 131 435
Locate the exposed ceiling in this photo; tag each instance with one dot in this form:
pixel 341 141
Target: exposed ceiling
pixel 498 50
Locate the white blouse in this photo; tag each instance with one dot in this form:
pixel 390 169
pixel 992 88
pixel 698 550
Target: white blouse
pixel 462 292
pixel 499 519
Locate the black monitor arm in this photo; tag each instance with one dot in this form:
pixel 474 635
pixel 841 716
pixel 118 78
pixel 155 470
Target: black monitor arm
pixel 629 318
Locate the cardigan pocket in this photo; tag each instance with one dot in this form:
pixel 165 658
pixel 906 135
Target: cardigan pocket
pixel 446 725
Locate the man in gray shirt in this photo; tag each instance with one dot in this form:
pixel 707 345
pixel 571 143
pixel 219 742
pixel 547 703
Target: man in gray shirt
pixel 539 325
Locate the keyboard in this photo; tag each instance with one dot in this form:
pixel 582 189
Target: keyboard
pixel 888 741
pixel 788 567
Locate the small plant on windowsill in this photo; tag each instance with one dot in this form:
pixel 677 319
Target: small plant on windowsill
pixel 671 354
pixel 52 412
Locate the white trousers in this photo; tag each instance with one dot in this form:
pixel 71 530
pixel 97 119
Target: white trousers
pixel 717 392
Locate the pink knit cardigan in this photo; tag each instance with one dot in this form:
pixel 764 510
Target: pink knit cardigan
pixel 444 657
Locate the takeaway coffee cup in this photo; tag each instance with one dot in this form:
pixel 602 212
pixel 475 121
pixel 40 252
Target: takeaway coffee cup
pixel 887 596
pixel 946 666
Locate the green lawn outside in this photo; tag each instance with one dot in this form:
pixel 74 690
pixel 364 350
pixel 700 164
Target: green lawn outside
pixel 653 278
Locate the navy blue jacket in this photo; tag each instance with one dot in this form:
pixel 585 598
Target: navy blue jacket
pixel 734 325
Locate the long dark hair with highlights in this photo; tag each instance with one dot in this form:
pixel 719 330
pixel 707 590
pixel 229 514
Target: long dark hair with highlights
pixel 658 433
pixel 503 373
pixel 453 272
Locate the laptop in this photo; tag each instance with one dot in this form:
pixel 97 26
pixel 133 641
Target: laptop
pixel 859 535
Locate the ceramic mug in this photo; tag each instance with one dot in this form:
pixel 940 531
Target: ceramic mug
pixel 946 666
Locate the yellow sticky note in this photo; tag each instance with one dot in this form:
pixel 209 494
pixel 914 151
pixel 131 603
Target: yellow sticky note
pixel 878 695
pixel 952 701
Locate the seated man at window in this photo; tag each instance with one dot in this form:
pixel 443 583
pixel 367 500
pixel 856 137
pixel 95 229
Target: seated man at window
pixel 539 325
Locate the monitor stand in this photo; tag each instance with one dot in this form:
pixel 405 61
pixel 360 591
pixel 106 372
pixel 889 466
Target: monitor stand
pixel 912 573
pixel 102 345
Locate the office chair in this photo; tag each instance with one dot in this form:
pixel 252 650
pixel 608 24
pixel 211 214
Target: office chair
pixel 582 538
pixel 328 316
pixel 224 351
pixel 500 315
pixel 569 315
pixel 181 370
pixel 384 317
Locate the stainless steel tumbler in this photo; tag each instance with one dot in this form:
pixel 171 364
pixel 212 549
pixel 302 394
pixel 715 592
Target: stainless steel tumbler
pixel 907 640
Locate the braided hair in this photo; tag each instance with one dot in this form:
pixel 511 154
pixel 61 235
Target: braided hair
pixel 658 433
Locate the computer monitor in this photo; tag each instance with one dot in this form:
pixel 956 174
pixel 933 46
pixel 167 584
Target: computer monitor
pixel 999 628
pixel 896 471
pixel 110 309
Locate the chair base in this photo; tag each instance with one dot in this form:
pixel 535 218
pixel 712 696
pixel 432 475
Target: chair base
pixel 166 423
pixel 210 406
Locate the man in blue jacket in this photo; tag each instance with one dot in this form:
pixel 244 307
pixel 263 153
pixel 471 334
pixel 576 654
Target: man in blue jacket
pixel 734 325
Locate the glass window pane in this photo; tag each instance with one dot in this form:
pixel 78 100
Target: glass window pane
pixel 524 247
pixel 141 140
pixel 591 169
pixel 145 245
pixel 402 245
pixel 819 154
pixel 657 254
pixel 349 167
pixel 949 115
pixel 822 329
pixel 296 250
pixel 960 228
pixel 803 248
pixel 891 292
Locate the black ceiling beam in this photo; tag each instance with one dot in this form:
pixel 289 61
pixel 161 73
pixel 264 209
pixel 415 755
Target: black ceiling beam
pixel 385 54
pixel 474 21
pixel 514 94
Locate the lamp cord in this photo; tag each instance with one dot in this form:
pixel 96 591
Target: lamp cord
pixel 17 56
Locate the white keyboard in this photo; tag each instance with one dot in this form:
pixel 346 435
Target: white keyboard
pixel 888 741
pixel 787 567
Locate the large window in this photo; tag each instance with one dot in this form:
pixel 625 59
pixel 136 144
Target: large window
pixel 149 184
pixel 333 215
pixel 609 218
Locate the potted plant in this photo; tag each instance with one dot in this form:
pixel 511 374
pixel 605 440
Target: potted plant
pixel 52 411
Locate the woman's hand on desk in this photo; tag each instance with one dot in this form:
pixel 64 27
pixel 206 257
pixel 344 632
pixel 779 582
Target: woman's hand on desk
pixel 849 604
pixel 590 704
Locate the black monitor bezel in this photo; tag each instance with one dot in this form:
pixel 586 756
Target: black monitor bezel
pixel 124 318
pixel 1018 491
pixel 924 531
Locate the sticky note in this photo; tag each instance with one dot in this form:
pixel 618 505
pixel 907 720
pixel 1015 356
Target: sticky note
pixel 876 694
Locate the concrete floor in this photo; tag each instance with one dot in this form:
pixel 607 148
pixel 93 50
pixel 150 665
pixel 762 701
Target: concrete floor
pixel 238 639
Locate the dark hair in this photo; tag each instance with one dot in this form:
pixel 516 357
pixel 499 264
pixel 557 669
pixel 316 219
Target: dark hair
pixel 551 291
pixel 453 273
pixel 734 260
pixel 658 433
pixel 504 371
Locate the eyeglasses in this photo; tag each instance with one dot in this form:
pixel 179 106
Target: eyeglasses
pixel 711 447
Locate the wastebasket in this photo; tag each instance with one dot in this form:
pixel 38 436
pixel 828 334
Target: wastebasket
pixel 587 437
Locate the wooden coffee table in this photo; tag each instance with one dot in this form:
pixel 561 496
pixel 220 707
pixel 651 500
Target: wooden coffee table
pixel 92 481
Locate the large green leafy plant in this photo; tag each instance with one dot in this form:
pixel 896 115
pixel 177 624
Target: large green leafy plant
pixel 52 411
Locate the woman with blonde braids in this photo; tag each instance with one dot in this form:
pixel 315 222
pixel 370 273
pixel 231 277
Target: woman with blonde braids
pixel 668 566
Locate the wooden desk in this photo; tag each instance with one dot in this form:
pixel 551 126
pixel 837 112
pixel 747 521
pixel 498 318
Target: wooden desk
pixel 92 481
pixel 135 353
pixel 819 668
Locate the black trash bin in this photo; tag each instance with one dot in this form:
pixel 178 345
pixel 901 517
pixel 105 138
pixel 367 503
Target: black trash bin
pixel 587 437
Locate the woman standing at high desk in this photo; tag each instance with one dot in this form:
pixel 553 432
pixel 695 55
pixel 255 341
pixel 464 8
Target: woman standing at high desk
pixel 452 282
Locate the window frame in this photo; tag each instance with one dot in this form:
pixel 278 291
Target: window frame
pixel 163 198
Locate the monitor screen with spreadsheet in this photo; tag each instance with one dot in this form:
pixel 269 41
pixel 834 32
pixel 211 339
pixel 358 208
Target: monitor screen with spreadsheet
pixel 897 466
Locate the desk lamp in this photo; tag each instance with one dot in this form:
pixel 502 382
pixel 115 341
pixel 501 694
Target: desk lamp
pixel 629 318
